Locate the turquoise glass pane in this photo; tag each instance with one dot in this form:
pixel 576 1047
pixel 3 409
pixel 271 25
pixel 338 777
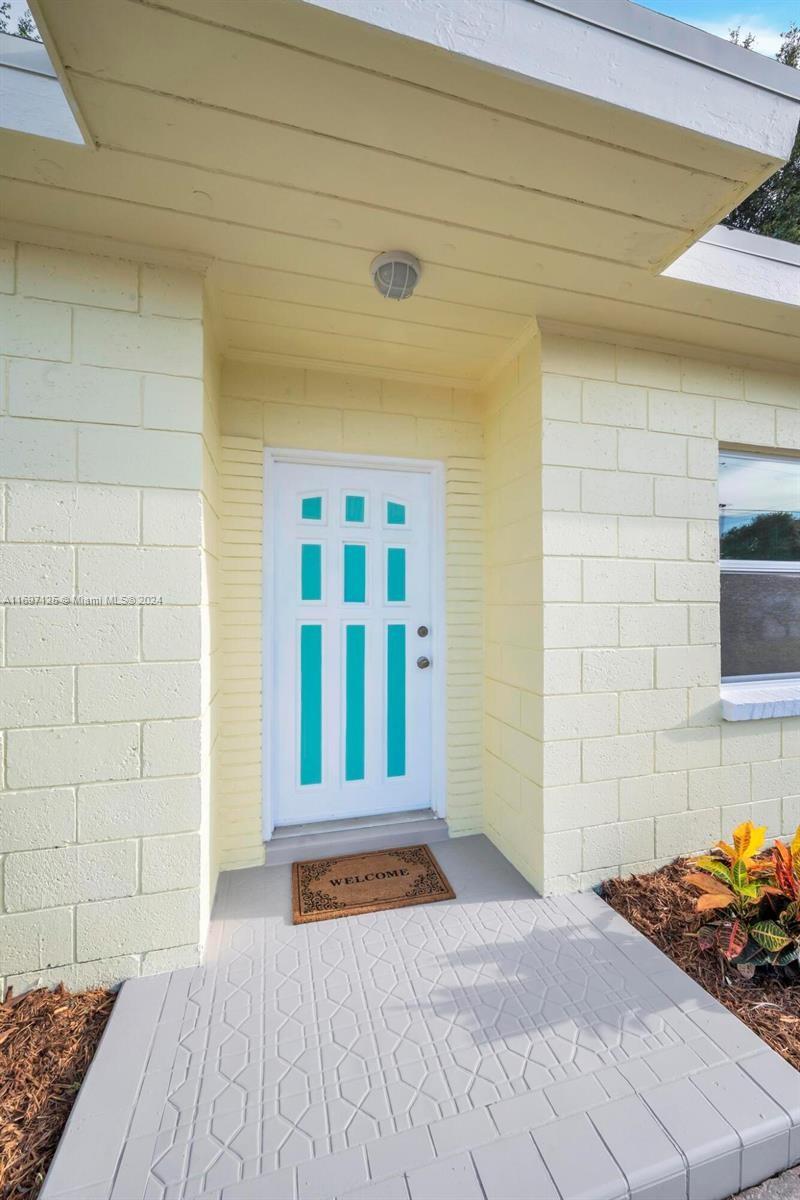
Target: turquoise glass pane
pixel 354 507
pixel 354 702
pixel 395 513
pixel 311 508
pixel 311 704
pixel 396 700
pixel 310 571
pixel 355 574
pixel 395 573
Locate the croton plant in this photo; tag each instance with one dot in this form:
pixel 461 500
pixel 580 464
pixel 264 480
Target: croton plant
pixel 754 895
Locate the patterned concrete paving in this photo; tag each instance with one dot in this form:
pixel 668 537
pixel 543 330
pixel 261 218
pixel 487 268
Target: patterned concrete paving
pixel 497 1046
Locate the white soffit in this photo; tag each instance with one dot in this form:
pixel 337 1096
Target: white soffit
pixel 736 261
pixel 32 99
pixel 611 51
pixel 289 144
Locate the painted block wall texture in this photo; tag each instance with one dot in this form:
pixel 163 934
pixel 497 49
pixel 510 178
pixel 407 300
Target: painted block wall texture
pixel 291 408
pixel 515 753
pixel 640 766
pixel 102 813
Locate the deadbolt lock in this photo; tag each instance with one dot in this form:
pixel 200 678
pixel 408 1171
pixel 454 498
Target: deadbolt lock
pixel 423 631
pixel 423 663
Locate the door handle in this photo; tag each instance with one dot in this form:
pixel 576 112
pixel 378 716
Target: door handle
pixel 423 663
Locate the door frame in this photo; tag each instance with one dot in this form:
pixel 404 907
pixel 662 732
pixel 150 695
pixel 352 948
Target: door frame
pixel 431 467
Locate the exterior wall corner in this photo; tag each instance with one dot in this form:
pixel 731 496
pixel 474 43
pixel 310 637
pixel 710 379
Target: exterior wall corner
pixel 105 802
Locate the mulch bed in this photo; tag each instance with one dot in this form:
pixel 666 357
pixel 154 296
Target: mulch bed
pixel 47 1040
pixel 661 906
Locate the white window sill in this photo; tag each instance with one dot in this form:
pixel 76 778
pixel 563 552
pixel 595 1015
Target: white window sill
pixel 756 700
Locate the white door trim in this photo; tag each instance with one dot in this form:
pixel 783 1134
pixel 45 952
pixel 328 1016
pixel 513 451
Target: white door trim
pixel 433 468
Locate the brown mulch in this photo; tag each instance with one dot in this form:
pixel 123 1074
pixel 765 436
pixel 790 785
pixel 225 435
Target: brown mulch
pixel 47 1040
pixel 661 906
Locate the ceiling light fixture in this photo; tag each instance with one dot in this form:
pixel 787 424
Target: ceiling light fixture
pixel 395 274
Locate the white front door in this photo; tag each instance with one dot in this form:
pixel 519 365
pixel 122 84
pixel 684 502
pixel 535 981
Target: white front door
pixel 352 702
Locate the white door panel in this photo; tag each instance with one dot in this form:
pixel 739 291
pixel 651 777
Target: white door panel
pixel 352 727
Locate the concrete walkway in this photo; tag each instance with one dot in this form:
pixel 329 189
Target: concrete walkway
pixel 498 1045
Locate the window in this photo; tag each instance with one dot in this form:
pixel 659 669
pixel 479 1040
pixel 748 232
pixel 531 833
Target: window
pixel 759 528
pixel 311 508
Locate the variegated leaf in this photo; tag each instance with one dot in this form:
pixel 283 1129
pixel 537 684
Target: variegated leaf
pixel 795 846
pixel 769 935
pixel 755 954
pixel 707 883
pixel 758 835
pixel 751 891
pixel 703 903
pixel 785 876
pixel 707 936
pixel 741 838
pixel 733 939
pixel 739 876
pixel 728 851
pixel 748 839
pixel 714 866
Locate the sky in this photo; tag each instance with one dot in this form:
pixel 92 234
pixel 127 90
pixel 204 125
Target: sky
pixel 18 7
pixel 767 19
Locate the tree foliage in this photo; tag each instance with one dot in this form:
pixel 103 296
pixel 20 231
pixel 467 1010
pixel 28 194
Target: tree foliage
pixel 774 209
pixel 25 26
pixel 771 536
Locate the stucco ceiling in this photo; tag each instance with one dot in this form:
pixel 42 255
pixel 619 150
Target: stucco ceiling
pixel 287 145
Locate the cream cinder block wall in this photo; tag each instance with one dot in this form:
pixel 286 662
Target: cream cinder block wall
pixel 315 410
pixel 644 767
pixel 102 816
pixel 515 754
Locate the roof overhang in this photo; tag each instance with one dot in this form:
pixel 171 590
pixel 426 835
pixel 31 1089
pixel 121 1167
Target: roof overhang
pixel 539 162
pixel 615 53
pixel 32 97
pixel 742 263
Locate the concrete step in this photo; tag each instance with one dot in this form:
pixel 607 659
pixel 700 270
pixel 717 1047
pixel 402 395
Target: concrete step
pixel 296 843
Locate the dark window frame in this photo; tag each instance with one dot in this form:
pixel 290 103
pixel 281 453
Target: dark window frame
pixel 772 567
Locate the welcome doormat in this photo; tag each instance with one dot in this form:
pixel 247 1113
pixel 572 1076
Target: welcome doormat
pixel 324 888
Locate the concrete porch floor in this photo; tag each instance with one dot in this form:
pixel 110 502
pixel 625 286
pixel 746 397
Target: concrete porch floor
pixel 498 1046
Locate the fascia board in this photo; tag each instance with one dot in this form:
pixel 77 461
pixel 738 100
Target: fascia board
pixel 744 242
pixel 538 40
pixel 25 55
pixel 744 263
pixel 33 102
pixel 686 41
